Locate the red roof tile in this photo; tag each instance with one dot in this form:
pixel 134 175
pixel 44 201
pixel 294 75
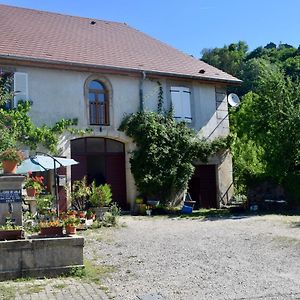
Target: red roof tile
pixel 44 36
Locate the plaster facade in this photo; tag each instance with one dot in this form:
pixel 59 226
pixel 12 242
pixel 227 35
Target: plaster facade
pixel 58 94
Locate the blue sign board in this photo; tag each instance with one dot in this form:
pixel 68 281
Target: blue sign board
pixel 10 196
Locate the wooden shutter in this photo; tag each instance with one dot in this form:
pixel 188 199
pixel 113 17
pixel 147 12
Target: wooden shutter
pixel 186 104
pixel 20 87
pixel 176 102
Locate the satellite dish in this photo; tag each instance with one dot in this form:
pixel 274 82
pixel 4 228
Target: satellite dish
pixel 233 100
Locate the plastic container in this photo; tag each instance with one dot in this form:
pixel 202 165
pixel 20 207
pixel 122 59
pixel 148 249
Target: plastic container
pixel 186 209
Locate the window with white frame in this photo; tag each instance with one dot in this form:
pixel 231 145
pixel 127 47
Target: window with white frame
pixel 181 102
pixel 16 83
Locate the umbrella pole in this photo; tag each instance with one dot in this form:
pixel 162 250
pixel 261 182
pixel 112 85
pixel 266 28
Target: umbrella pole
pixel 56 189
pixel 56 181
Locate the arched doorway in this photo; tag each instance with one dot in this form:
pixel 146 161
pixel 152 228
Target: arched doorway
pixel 102 160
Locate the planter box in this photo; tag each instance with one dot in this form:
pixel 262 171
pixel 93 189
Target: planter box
pixel 52 231
pixel 14 234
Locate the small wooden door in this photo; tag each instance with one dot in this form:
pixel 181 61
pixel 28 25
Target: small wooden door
pixel 203 186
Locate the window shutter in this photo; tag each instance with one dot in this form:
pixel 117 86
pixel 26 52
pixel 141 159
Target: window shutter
pixel 186 105
pixel 20 87
pixel 176 102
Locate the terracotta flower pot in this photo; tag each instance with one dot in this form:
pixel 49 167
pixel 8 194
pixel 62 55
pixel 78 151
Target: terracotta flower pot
pixel 82 214
pixel 70 229
pixel 9 167
pixel 31 192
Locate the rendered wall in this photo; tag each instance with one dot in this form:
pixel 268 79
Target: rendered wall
pixel 58 94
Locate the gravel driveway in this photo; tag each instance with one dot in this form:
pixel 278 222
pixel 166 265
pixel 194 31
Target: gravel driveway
pixel 235 258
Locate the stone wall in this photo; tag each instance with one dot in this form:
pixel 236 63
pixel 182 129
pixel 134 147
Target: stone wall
pixel 44 257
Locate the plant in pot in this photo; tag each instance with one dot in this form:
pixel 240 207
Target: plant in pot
pixel 51 228
pixel 100 198
pixel 80 194
pixel 10 231
pixel 70 224
pixel 34 185
pixel 10 159
pixel 140 207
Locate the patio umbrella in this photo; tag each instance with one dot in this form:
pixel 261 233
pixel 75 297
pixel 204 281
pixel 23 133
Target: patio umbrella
pixel 41 163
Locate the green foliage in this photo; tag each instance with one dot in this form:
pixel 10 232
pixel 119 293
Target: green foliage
pixel 71 220
pixel 162 163
pixel 80 194
pixel 11 154
pixel 230 58
pixel 44 204
pixel 100 195
pixel 16 126
pixel 10 225
pixel 266 125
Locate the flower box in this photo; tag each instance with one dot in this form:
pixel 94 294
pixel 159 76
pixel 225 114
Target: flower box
pixel 52 231
pixel 13 234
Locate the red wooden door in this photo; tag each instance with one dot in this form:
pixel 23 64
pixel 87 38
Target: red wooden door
pixel 203 186
pixel 102 160
pixel 115 176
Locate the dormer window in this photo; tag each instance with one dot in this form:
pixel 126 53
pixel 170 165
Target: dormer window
pixel 98 103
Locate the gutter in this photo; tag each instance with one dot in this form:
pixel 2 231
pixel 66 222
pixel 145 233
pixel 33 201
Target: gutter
pixel 80 66
pixel 141 91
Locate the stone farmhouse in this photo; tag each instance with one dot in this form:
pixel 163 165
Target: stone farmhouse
pixel 97 71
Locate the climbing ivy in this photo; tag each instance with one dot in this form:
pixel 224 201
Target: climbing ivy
pixel 160 99
pixel 162 164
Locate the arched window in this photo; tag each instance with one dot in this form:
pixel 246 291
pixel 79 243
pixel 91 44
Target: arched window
pixel 98 103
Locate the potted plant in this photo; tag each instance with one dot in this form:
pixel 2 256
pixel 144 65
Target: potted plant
pixel 140 206
pixel 51 228
pixel 10 231
pixel 70 224
pixel 100 198
pixel 34 185
pixel 10 159
pixel 80 193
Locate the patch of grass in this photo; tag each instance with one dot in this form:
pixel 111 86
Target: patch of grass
pixel 207 213
pixel 92 272
pixel 7 292
pixel 59 286
pixel 33 289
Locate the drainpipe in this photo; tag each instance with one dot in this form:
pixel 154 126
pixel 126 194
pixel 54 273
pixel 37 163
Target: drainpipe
pixel 142 90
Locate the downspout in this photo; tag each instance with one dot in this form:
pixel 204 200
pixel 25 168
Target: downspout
pixel 142 91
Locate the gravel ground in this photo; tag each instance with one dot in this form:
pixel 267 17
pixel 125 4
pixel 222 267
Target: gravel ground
pixel 236 258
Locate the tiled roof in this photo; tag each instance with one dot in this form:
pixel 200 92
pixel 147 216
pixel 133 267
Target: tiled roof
pixel 51 37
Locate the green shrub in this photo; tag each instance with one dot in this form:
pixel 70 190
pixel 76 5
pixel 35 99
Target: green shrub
pixel 100 195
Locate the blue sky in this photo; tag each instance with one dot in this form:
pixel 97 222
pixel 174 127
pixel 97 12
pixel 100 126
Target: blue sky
pixel 191 25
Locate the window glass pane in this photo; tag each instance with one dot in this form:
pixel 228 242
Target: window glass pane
pixel 95 145
pixel 77 146
pixel 114 146
pixel 92 97
pixel 101 97
pixel 96 85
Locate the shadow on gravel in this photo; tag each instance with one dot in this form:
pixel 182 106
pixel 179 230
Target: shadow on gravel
pixel 223 214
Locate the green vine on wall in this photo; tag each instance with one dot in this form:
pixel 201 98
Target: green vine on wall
pixel 16 127
pixel 160 98
pixel 162 164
